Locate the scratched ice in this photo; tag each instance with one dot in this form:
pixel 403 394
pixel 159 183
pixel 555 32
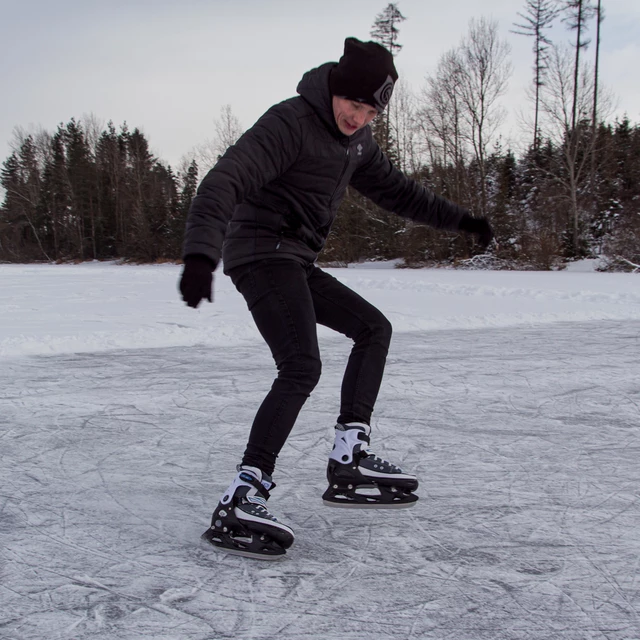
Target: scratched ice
pixel 526 440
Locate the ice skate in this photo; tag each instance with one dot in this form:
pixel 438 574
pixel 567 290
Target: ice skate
pixel 361 479
pixel 242 524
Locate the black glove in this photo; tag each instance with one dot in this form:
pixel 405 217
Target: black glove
pixel 479 227
pixel 196 282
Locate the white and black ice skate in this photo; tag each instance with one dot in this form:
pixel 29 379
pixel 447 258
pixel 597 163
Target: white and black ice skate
pixel 359 478
pixel 242 524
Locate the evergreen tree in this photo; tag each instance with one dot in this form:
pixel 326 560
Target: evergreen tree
pixel 82 183
pixel 55 197
pixel 385 228
pixel 189 187
pixel 21 179
pixel 385 32
pixel 12 223
pixel 596 87
pixel 138 201
pixel 577 13
pixel 539 16
pixel 384 29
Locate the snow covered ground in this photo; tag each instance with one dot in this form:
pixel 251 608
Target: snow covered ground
pixel 514 396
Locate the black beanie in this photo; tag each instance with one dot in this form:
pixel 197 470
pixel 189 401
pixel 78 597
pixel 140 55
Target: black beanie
pixel 365 73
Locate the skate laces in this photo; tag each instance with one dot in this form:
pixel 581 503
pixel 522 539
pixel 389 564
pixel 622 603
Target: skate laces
pixel 370 455
pixel 260 505
pixel 257 500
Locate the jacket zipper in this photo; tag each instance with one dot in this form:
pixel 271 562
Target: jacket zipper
pixel 344 170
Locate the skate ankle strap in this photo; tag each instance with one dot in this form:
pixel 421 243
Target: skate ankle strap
pixel 254 482
pixel 363 453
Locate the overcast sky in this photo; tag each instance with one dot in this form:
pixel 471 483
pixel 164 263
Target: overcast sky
pixel 169 67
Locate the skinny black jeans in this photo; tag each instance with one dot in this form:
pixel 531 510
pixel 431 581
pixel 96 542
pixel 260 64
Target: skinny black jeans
pixel 287 300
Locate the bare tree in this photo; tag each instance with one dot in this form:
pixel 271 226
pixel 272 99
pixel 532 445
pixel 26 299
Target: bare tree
pixel 93 126
pixel 561 104
pixel 402 125
pixel 40 138
pixel 486 71
pixel 228 129
pixel 440 120
pixel 539 16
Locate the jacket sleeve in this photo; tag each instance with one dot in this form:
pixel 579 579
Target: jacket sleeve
pixel 263 153
pixel 389 188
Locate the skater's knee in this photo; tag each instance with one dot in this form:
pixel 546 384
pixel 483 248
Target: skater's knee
pixel 304 371
pixel 313 370
pixel 377 330
pixel 384 329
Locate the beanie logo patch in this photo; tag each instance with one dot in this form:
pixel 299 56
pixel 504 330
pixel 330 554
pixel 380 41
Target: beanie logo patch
pixel 383 94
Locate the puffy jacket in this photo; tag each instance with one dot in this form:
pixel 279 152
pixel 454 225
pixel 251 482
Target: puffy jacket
pixel 275 193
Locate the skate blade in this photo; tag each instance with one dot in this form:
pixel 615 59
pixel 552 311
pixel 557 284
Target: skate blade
pixel 245 554
pixel 369 505
pixel 206 540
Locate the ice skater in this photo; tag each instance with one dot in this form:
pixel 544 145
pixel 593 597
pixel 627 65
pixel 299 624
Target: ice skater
pixel 266 209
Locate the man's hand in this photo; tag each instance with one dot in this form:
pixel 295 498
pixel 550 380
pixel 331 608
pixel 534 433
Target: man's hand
pixel 479 227
pixel 196 283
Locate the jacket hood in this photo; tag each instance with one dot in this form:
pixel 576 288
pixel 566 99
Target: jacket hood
pixel 314 88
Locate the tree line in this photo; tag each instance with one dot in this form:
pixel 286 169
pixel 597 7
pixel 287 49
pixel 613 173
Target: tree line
pixel 84 192
pixel 81 194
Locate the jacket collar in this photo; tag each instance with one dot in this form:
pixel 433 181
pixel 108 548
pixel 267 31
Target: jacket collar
pixel 314 88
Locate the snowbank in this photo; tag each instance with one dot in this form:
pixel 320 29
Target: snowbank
pixel 53 309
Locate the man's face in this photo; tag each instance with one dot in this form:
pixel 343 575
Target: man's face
pixel 351 116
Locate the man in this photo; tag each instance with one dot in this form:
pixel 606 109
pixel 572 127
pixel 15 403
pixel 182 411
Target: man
pixel 266 208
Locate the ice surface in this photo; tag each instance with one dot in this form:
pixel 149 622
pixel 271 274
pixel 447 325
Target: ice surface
pixel 525 437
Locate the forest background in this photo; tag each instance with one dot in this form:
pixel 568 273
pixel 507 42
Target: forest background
pixel 87 191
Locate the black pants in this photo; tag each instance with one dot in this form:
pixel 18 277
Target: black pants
pixel 287 300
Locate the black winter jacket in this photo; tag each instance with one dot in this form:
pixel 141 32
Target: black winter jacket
pixel 275 193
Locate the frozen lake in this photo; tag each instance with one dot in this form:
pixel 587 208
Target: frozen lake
pixel 523 430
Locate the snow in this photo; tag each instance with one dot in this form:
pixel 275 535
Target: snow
pixel 95 307
pixel 587 264
pixel 515 397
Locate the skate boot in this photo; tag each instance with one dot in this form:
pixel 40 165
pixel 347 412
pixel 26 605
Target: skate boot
pixel 242 524
pixel 359 478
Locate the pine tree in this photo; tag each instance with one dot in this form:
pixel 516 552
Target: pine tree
pixel 11 222
pixel 138 200
pixel 384 28
pixel 385 229
pixel 622 244
pixel 55 196
pixel 577 14
pixel 189 188
pixel 21 178
pixel 539 16
pixel 82 182
pixel 596 71
pixel 385 32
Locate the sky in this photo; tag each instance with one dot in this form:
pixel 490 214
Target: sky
pixel 169 68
